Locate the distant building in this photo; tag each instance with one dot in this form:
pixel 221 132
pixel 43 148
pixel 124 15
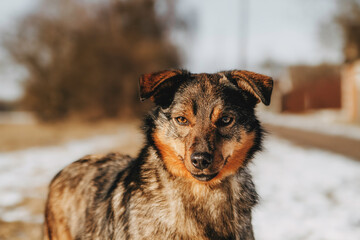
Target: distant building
pixel 302 88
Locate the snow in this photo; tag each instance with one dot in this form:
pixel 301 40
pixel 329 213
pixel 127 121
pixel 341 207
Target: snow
pixel 20 214
pixel 23 172
pixel 305 194
pixel 10 198
pixel 326 121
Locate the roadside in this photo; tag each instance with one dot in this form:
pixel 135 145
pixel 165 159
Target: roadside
pixel 323 130
pixel 349 147
pixel 328 122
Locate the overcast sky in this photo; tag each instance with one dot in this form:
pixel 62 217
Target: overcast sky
pixel 286 31
pixel 10 78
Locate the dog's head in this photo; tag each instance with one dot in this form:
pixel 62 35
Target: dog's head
pixel 205 127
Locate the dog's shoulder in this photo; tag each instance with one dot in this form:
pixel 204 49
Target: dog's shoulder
pixel 91 167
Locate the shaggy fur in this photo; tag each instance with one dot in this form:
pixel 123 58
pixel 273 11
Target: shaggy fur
pixel 190 180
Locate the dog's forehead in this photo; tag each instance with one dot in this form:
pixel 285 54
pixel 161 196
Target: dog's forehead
pixel 209 77
pixel 201 86
pixel 204 91
pixel 207 85
pixel 215 80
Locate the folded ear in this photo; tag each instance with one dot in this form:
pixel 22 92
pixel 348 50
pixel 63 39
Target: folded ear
pixel 160 86
pixel 257 84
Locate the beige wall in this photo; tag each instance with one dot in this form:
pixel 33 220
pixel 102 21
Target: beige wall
pixel 351 91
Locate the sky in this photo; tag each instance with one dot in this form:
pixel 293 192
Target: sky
pixel 284 31
pixel 11 77
pixel 11 10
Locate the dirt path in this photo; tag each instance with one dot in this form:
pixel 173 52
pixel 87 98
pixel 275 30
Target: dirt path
pixel 337 144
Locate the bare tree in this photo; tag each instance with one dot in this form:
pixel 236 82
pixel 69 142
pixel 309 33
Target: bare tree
pixel 348 19
pixel 85 60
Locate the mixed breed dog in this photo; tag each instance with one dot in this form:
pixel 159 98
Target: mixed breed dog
pixel 190 180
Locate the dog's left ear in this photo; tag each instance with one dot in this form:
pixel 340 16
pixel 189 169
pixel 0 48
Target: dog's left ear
pixel 260 86
pixel 161 86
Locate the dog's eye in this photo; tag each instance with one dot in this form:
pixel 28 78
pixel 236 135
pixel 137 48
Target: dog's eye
pixel 225 121
pixel 182 121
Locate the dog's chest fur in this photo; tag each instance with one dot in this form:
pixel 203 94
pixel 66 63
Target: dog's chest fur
pixel 163 207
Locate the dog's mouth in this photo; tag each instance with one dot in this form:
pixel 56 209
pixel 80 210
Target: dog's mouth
pixel 204 177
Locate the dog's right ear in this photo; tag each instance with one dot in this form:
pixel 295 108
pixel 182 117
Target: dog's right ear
pixel 161 86
pixel 260 86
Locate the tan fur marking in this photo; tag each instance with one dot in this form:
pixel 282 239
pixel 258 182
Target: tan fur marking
pixel 177 167
pixel 216 113
pixel 189 115
pixel 223 78
pixel 61 230
pixel 172 162
pixel 237 157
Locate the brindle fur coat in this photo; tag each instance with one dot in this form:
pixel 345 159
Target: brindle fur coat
pixel 190 180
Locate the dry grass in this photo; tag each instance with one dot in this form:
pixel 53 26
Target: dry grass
pixel 20 231
pixel 15 137
pixel 24 230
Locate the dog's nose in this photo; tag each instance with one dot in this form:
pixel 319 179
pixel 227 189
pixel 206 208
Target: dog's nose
pixel 201 160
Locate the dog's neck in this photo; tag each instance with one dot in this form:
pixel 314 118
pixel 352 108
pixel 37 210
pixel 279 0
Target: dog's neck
pixel 218 209
pixel 238 187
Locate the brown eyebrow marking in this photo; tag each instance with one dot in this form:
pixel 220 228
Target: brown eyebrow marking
pixel 216 112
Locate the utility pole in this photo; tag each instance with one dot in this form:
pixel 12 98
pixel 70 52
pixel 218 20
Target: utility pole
pixel 244 24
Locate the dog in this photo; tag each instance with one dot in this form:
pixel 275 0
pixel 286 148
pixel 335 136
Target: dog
pixel 191 178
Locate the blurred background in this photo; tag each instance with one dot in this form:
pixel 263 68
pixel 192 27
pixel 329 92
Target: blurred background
pixel 69 87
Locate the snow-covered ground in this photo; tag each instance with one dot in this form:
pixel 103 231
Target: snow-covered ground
pixel 305 194
pixel 23 172
pixel 325 121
